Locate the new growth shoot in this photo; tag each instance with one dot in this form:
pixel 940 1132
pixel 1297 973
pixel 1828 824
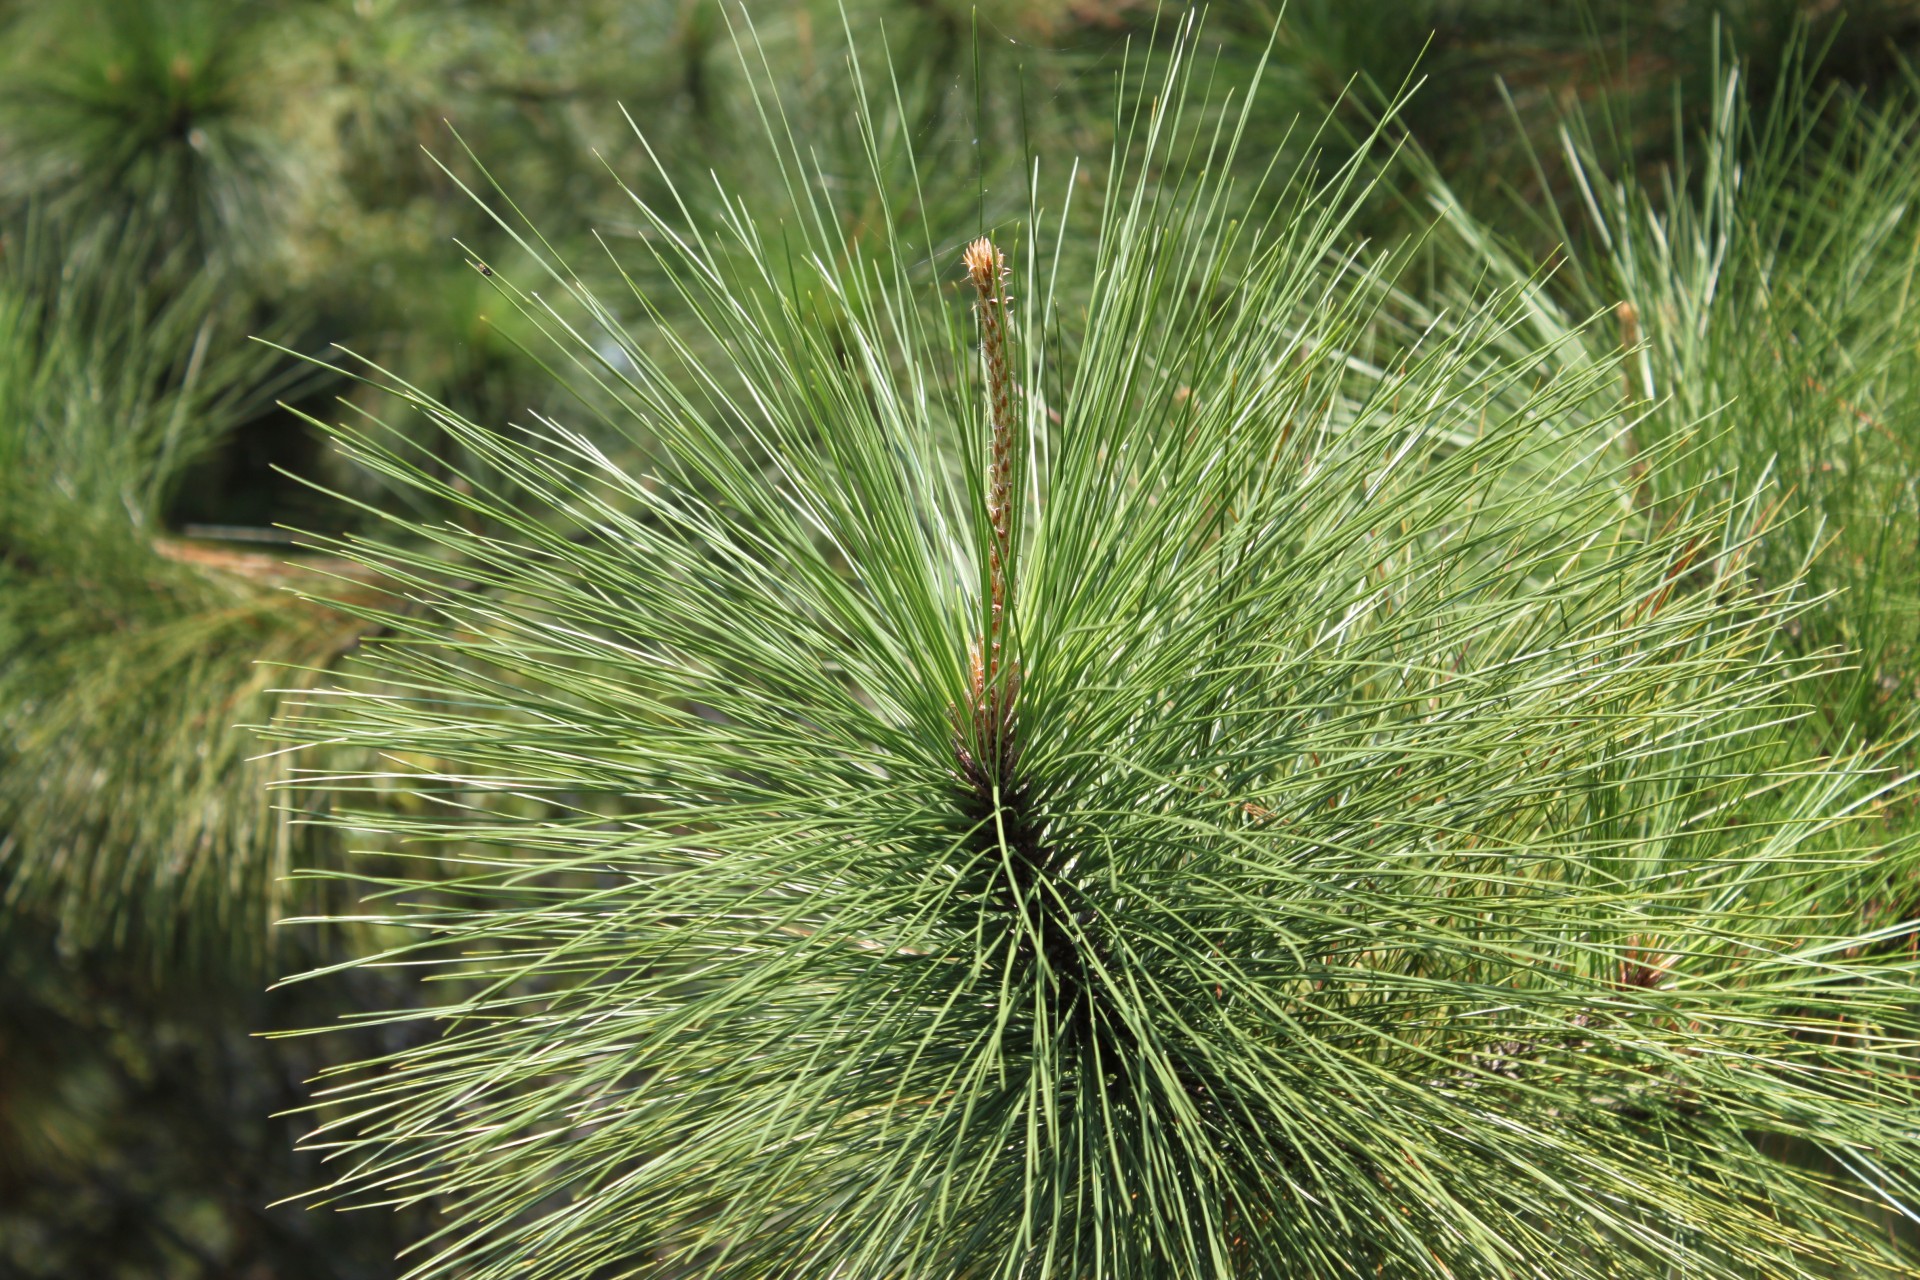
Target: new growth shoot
pixel 995 677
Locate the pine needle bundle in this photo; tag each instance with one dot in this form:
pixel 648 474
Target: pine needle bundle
pixel 1048 763
pixel 134 817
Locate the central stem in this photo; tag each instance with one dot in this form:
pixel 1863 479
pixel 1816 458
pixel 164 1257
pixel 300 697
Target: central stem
pixel 995 681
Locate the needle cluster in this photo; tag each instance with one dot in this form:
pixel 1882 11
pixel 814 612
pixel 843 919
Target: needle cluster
pixel 1395 876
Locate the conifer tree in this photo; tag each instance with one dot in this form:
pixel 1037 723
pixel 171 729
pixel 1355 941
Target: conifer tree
pixel 1086 760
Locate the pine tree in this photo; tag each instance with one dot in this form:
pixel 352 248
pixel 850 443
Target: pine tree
pixel 1097 762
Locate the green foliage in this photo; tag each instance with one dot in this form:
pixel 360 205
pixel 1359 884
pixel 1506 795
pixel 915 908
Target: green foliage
pixel 1496 76
pixel 176 176
pixel 146 109
pixel 1363 846
pixel 112 635
pixel 184 175
pixel 1764 296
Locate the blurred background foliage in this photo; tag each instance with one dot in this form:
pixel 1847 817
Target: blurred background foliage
pixel 181 177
